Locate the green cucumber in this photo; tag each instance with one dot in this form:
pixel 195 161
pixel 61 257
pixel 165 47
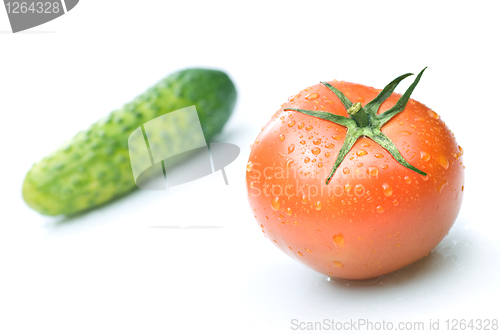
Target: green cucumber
pixel 94 166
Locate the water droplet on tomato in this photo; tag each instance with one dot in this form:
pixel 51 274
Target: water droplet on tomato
pixel 308 250
pixel 432 114
pixel 251 185
pixel 249 166
pixel 407 179
pixel 347 188
pixel 316 151
pixel 320 164
pixel 300 254
pixel 440 185
pixel 379 155
pixel 338 264
pixel 361 152
pixel 370 199
pixel 303 142
pixel 380 209
pixel 330 146
pixel 275 203
pixel 318 205
pixel 312 96
pixel 406 133
pixel 301 125
pixel 328 154
pixel 336 137
pixel 338 239
pixel 424 156
pixel 317 141
pixel 395 202
pixel 289 211
pixel 372 171
pixel 291 148
pixel 291 123
pixel 461 150
pixel 387 189
pixel 280 216
pixel 306 160
pixel 442 161
pixel 304 199
pixel 346 170
pixel 282 137
pixel 309 127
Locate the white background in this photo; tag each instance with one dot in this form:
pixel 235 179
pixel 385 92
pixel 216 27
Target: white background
pixel 109 271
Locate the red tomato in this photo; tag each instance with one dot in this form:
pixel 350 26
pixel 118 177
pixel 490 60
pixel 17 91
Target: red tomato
pixel 375 215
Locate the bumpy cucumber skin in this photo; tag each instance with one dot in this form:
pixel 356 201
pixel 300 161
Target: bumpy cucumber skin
pixel 94 166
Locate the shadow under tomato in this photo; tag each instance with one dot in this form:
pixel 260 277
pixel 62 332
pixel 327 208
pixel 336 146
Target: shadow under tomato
pixel 450 275
pixel 431 282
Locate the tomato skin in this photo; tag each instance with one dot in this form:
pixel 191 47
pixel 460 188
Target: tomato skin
pixel 375 216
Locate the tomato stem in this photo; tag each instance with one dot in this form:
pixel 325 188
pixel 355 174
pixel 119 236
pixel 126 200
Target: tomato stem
pixel 366 122
pixel 357 113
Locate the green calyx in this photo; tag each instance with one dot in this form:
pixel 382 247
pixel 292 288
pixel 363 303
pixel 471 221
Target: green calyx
pixel 364 121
